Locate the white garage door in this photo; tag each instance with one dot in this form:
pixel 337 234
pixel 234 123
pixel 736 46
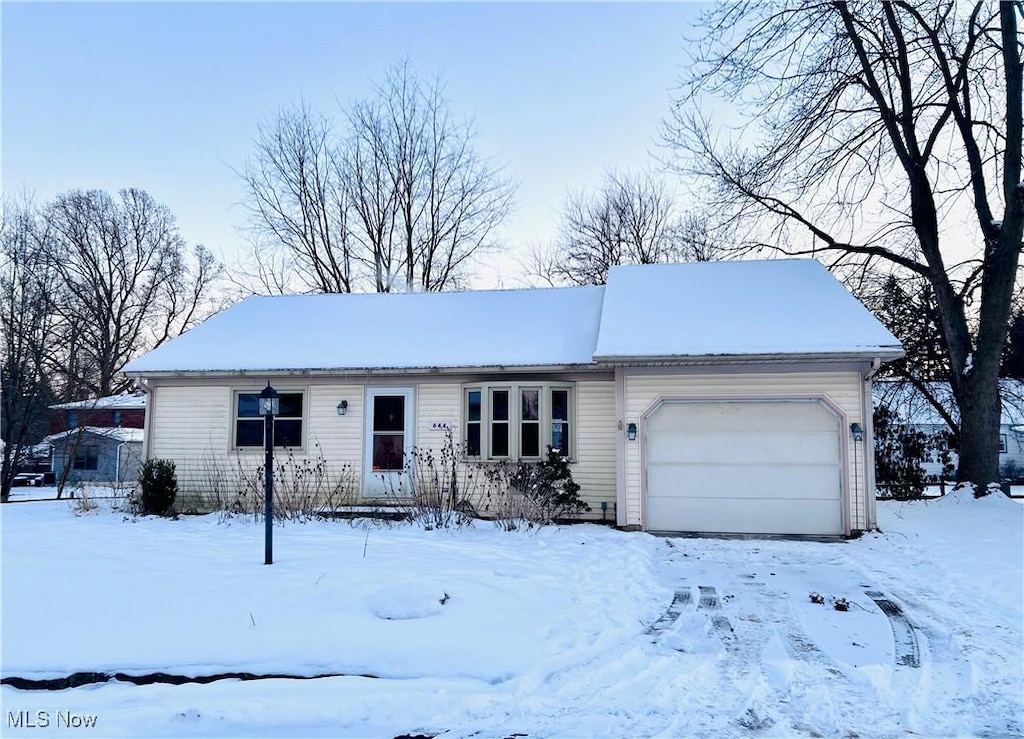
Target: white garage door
pixel 768 467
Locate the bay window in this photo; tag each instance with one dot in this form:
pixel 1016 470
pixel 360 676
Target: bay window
pixel 517 421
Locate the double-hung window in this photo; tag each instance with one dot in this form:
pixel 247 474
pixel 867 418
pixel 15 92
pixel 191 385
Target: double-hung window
pixel 517 421
pixel 529 422
pixel 249 422
pixel 560 438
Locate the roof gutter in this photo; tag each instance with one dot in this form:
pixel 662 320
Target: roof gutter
pixel 368 371
pixel 600 363
pixel 876 357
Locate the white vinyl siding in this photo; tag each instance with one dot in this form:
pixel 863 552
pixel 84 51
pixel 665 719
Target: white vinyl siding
pixel 594 466
pixel 642 388
pixel 437 411
pixel 191 422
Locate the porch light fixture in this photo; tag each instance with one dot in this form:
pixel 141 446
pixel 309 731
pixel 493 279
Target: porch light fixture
pixel 269 406
pixel 343 408
pixel 631 432
pixel 858 431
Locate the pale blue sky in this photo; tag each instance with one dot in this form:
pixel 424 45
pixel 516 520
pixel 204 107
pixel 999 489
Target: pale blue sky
pixel 166 96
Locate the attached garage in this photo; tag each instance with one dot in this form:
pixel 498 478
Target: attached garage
pixel 743 394
pixel 772 466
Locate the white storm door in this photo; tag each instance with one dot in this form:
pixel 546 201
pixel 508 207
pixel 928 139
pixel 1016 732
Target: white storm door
pixel 388 440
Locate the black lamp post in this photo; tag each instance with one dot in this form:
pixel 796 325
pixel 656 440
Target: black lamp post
pixel 270 406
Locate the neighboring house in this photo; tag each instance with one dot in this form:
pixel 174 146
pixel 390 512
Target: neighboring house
pixel 97 454
pixel 127 410
pixel 912 408
pixel 100 439
pixel 708 397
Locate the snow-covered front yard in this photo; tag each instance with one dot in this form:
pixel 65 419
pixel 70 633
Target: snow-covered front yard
pixel 576 631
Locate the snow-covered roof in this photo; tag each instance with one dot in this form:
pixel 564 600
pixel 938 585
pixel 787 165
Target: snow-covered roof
pixel 768 308
pixel 742 308
pixel 114 402
pixel 117 433
pixel 494 328
pixel 911 406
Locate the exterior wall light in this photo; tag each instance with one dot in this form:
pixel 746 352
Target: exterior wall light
pixel 270 406
pixel 858 431
pixel 343 408
pixel 631 432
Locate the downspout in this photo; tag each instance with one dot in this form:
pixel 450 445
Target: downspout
pixel 868 412
pixel 621 507
pixel 117 463
pixel 147 430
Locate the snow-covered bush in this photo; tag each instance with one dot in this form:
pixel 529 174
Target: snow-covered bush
pixel 533 493
pixel 159 486
pixel 549 483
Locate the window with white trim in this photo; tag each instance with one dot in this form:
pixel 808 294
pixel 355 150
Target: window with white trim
pixel 1002 443
pixel 248 431
pixel 517 421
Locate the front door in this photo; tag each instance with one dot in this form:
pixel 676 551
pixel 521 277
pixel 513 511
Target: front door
pixel 390 421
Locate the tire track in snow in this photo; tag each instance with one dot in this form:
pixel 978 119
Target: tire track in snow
pixel 708 597
pixel 709 602
pixel 908 651
pixel 817 694
pixel 795 687
pixel 683 596
pixel 971 708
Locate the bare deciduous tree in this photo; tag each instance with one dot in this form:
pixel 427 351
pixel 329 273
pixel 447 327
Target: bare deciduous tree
pixel 426 202
pixel 128 283
pixel 397 198
pixel 629 219
pixel 28 286
pixel 296 201
pixel 87 282
pixel 880 135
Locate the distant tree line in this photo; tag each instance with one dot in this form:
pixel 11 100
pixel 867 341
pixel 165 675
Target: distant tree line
pixel 88 281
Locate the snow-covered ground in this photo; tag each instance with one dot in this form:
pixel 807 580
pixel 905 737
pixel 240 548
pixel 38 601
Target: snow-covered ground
pixel 575 631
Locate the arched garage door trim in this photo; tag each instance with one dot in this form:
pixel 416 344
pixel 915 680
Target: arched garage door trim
pixel 823 400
